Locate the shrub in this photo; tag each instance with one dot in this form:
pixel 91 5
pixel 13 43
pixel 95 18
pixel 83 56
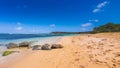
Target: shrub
pixel 6 53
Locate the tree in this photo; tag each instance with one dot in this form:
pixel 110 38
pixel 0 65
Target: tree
pixel 109 27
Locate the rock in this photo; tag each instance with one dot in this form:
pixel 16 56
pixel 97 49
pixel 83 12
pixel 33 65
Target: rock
pixel 36 47
pixel 55 46
pixel 24 44
pixel 12 45
pixel 46 47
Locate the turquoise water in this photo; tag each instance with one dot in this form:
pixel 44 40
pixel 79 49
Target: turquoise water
pixel 71 34
pixel 4 41
pixel 34 39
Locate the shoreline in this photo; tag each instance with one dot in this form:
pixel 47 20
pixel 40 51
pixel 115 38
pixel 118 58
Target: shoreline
pixel 22 52
pixel 100 50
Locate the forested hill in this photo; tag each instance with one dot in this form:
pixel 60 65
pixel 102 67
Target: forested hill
pixel 89 32
pixel 109 27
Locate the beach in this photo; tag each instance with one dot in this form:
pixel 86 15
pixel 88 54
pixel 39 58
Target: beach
pixel 100 50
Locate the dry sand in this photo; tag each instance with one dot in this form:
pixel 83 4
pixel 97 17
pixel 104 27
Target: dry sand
pixel 88 51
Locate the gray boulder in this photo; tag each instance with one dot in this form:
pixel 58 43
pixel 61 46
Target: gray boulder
pixel 36 47
pixel 12 45
pixel 55 46
pixel 46 47
pixel 24 44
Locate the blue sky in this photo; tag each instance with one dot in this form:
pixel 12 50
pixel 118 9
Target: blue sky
pixel 43 16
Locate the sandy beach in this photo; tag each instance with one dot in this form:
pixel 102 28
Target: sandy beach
pixel 100 50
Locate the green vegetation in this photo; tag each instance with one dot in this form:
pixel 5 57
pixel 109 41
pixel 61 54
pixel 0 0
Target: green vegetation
pixel 89 32
pixel 6 53
pixel 109 27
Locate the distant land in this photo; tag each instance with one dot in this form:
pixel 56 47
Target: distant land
pixel 109 27
pixel 89 32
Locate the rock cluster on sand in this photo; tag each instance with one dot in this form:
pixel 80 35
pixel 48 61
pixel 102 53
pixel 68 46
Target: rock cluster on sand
pixel 24 44
pixel 12 45
pixel 15 45
pixel 46 47
pixel 55 46
pixel 36 47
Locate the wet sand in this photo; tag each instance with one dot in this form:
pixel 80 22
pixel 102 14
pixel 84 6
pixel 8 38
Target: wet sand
pixel 87 51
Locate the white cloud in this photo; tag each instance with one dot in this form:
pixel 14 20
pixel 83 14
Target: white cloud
pixel 96 10
pixel 100 6
pixel 94 20
pixel 52 25
pixel 19 28
pixel 86 24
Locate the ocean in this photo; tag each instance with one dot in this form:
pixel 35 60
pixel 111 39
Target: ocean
pixel 16 38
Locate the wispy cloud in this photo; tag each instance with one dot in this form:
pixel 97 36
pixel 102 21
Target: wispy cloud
pixel 100 6
pixel 19 28
pixel 52 25
pixel 86 24
pixel 94 20
pixel 96 10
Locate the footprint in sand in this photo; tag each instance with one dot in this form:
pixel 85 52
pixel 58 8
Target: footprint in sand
pixel 77 59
